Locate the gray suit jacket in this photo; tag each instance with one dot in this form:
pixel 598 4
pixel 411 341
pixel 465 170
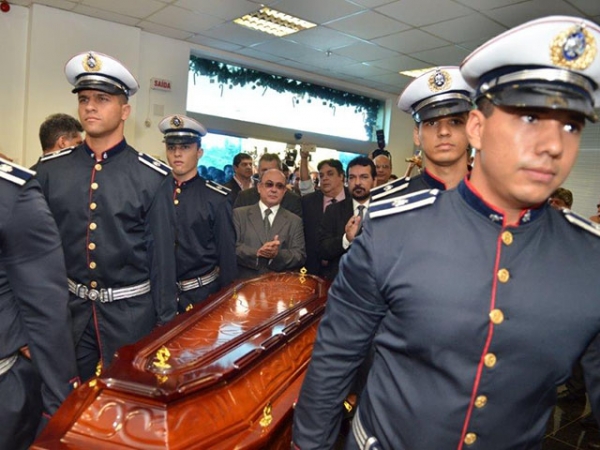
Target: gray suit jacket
pixel 251 235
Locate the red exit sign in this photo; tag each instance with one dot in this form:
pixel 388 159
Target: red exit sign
pixel 160 84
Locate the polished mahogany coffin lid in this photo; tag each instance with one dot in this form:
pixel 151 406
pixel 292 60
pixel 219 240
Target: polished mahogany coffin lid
pixel 224 375
pixel 207 346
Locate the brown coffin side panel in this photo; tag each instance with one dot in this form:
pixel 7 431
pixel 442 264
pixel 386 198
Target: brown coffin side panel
pixel 254 374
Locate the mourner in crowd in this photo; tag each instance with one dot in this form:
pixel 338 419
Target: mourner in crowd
pixel 269 237
pixel 383 166
pixel 114 211
pixel 473 364
pixel 596 218
pixel 332 191
pixel 243 168
pixel 561 198
pixel 251 196
pixel 342 221
pixel 439 102
pixel 37 353
pixel 205 247
pixel 59 131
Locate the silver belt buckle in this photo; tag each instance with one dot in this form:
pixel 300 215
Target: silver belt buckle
pixel 93 295
pixel 81 291
pixel 372 444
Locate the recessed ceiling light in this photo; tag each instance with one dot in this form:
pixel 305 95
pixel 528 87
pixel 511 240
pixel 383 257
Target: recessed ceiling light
pixel 416 72
pixel 273 22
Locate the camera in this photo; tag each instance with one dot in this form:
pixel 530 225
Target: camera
pixel 380 139
pixel 290 157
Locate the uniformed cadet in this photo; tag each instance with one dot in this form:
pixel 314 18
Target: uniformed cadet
pixel 439 102
pixel 473 364
pixel 37 355
pixel 114 210
pixel 206 258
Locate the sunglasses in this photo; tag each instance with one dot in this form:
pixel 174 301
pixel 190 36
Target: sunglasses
pixel 269 184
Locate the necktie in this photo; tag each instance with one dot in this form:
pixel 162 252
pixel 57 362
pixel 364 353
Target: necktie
pixel 361 214
pixel 331 202
pixel 266 221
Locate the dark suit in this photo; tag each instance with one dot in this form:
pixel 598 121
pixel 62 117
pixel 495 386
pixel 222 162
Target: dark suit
pixel 251 235
pixel 331 234
pixel 290 201
pixel 235 189
pixel 312 215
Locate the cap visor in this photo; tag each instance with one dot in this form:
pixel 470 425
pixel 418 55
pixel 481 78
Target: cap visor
pixel 98 86
pixel 441 109
pixel 175 140
pixel 546 96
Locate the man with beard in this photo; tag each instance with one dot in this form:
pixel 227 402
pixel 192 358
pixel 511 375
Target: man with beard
pixel 439 102
pixel 342 221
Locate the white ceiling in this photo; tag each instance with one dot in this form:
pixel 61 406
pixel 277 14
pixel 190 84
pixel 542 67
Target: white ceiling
pixel 363 42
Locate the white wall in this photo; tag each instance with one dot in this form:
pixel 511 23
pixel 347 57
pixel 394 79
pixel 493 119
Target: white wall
pixel 33 85
pixel 164 58
pixel 13 54
pixel 55 37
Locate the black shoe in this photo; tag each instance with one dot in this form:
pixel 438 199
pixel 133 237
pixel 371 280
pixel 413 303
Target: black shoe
pixel 589 422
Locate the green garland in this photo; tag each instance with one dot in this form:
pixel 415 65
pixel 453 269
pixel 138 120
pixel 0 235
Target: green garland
pixel 240 76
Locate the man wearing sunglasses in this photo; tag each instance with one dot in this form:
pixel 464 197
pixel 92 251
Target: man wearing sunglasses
pixel 269 237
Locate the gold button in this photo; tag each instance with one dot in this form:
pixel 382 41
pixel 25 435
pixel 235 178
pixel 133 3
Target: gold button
pixel 93 206
pixel 176 202
pixel 480 401
pixel 178 190
pixel 489 360
pixel 503 275
pixel 93 226
pixel 94 186
pixel 92 265
pixel 93 284
pixel 98 167
pixel 496 316
pixel 92 246
pixel 470 438
pixel 507 238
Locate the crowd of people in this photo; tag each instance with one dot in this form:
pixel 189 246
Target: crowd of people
pixel 444 308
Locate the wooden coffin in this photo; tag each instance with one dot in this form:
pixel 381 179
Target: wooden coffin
pixel 222 376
